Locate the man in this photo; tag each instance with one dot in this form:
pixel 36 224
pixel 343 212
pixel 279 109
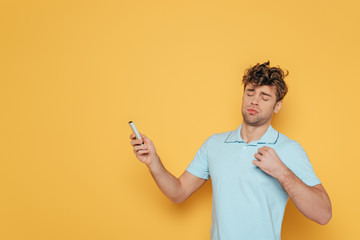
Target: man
pixel 254 169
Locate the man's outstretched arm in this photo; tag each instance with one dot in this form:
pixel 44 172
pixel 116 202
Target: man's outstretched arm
pixel 176 189
pixel 313 202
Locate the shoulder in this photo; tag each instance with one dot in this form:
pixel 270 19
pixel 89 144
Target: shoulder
pixel 220 137
pixel 217 139
pixel 289 145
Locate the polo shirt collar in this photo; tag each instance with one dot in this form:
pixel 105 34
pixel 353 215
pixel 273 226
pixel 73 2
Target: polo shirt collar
pixel 270 137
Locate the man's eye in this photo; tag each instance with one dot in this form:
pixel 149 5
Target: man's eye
pixel 265 98
pixel 250 94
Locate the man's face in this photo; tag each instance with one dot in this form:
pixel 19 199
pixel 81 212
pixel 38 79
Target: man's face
pixel 259 104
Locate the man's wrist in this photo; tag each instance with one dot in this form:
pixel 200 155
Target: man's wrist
pixel 155 164
pixel 284 175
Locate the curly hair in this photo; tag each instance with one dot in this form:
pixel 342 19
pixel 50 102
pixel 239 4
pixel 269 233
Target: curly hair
pixel 262 74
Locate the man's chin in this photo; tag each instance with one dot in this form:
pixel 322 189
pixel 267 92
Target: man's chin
pixel 253 122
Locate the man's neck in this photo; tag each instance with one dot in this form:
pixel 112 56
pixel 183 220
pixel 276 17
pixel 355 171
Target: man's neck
pixel 253 133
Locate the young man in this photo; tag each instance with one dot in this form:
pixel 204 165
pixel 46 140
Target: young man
pixel 254 169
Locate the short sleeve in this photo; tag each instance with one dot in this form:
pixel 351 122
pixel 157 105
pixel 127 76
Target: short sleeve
pixel 296 159
pixel 199 165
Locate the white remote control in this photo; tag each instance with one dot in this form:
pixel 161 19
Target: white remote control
pixel 134 129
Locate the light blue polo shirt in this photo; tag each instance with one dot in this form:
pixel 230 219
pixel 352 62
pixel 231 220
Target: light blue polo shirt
pixel 248 204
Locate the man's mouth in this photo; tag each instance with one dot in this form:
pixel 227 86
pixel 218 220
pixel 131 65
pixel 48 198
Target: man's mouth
pixel 252 111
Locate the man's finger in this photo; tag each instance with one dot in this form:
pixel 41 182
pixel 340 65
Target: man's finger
pixel 136 142
pixel 265 148
pixel 143 135
pixel 262 150
pixel 140 147
pixel 132 136
pixel 256 163
pixel 142 152
pixel 258 156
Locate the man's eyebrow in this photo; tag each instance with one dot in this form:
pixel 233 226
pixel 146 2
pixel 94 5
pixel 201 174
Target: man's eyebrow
pixel 250 89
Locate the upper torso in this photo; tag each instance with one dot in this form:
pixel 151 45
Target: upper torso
pixel 247 203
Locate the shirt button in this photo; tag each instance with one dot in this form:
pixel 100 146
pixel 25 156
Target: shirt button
pixel 244 147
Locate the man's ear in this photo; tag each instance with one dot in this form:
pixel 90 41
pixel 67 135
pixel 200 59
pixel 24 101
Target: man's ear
pixel 277 106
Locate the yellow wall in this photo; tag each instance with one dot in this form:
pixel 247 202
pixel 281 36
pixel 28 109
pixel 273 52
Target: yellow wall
pixel 73 73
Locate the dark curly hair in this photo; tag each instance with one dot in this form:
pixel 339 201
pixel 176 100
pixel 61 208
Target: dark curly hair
pixel 262 74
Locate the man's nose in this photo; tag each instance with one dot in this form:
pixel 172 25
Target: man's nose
pixel 255 100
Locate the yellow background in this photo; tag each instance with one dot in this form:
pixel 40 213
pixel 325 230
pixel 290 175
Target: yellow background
pixel 73 73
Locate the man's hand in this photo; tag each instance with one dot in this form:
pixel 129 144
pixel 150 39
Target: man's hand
pixel 269 162
pixel 144 149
